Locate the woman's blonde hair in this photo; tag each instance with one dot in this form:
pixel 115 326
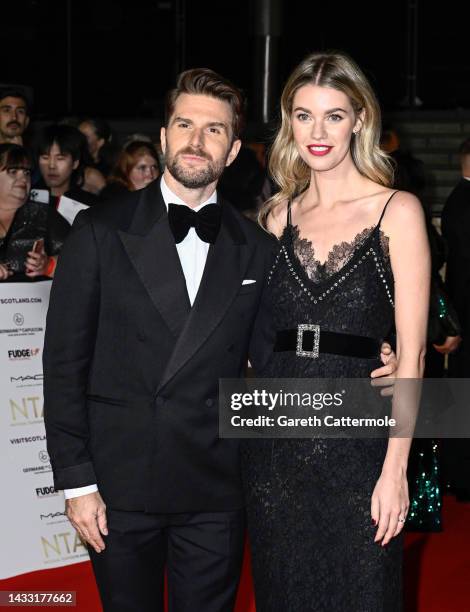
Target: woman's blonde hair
pixel 338 71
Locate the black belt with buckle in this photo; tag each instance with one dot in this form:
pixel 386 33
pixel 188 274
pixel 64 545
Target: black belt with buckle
pixel 308 341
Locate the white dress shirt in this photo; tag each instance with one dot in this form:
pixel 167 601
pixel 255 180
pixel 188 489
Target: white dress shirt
pixel 192 252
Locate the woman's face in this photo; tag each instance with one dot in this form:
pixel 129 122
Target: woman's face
pixel 15 184
pixel 323 121
pixel 144 172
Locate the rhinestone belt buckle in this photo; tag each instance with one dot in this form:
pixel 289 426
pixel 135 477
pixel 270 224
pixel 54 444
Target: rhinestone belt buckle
pixel 303 327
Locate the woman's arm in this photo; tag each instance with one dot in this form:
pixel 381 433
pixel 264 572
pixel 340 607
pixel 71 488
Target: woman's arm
pixel 404 223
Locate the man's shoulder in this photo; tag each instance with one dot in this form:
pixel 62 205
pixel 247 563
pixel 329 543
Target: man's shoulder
pixel 458 201
pixel 115 213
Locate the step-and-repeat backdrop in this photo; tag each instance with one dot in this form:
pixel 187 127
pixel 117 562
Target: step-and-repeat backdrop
pixel 35 533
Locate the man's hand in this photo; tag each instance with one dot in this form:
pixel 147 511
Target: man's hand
pixel 389 359
pixel 385 376
pixel 88 515
pixel 450 345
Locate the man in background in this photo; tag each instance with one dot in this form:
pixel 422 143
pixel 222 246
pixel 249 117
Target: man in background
pixel 14 115
pixel 456 231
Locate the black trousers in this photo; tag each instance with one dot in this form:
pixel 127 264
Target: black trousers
pixel 202 553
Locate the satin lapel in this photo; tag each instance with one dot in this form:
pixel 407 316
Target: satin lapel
pixel 155 259
pixel 224 271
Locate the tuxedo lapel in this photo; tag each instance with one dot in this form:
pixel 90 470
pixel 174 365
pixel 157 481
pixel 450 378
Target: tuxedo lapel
pixel 224 271
pixel 151 248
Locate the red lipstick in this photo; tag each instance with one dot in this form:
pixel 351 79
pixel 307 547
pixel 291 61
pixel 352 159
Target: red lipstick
pixel 319 150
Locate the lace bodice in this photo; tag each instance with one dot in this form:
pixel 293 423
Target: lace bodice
pixel 338 256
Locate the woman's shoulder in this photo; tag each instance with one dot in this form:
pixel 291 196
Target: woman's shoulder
pixel 402 204
pixel 276 220
pixel 403 210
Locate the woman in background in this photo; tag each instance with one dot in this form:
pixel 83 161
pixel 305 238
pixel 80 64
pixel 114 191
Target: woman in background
pixel 31 233
pixel 137 167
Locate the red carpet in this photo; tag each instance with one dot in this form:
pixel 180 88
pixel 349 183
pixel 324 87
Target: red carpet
pixel 437 571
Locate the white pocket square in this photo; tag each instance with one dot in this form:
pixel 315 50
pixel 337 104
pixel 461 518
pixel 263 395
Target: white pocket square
pixel 248 281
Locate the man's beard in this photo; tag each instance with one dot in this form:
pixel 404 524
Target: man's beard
pixel 194 178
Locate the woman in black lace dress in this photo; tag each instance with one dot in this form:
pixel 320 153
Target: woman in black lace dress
pixel 325 516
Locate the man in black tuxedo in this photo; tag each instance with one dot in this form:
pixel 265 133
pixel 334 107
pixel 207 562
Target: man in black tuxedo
pixel 154 299
pixel 151 305
pixel 456 231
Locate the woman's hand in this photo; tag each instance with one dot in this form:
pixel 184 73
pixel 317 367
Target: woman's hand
pixel 37 262
pixel 389 504
pixel 5 272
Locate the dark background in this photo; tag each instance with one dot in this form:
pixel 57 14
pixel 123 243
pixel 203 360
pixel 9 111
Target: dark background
pixel 123 55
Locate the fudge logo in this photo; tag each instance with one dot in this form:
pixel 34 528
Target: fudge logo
pixel 42 492
pixel 21 354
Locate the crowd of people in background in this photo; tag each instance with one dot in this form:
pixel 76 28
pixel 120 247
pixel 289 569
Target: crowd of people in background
pixel 81 160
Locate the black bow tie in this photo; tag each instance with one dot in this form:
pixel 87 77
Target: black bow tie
pixel 206 221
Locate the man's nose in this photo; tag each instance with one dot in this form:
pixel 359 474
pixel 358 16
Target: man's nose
pixel 197 137
pixel 51 162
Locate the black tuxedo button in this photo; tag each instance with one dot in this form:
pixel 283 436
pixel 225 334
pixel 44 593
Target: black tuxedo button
pixel 160 401
pixel 141 337
pixel 209 401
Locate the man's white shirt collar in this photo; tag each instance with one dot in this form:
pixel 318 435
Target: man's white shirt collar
pixel 171 198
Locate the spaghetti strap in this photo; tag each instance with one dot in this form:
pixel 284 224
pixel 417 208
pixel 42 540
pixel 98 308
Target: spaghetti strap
pixel 385 207
pixel 289 213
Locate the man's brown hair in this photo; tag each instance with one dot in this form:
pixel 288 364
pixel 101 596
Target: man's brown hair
pixel 206 82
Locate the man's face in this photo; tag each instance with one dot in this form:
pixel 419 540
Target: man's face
pixel 13 118
pixel 198 140
pixel 56 168
pixel 94 143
